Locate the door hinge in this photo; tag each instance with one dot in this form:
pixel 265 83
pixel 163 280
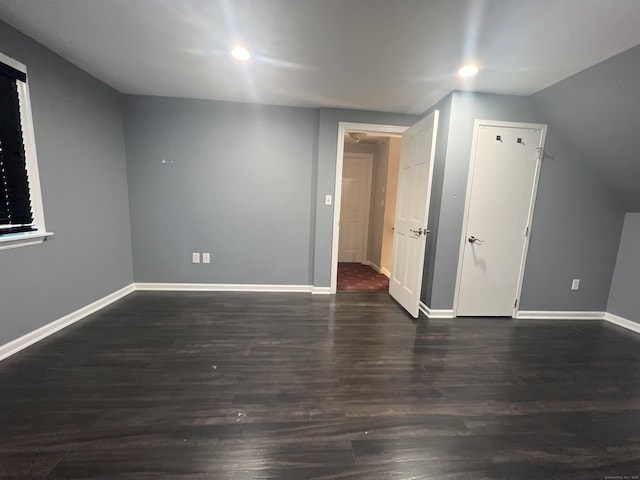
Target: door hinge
pixel 538 153
pixel 526 232
pixel 515 303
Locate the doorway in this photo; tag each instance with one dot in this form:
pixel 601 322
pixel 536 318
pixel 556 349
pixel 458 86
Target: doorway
pixel 501 192
pixel 410 229
pixel 367 196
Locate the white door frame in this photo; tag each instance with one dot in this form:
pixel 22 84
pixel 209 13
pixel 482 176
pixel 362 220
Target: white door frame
pixel 467 203
pixel 365 234
pixel 343 127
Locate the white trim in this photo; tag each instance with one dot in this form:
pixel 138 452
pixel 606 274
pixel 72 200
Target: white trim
pixel 550 315
pixel 23 239
pixel 467 205
pixel 31 157
pixel 35 336
pixel 221 287
pixel 385 272
pixel 622 322
pixel 373 265
pixel 30 338
pixel 321 291
pixel 439 313
pixel 343 127
pixel 532 204
pixel 29 140
pixel 13 63
pixel 558 315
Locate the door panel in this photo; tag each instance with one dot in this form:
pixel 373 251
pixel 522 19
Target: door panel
pixel 502 188
pixel 354 208
pixel 412 212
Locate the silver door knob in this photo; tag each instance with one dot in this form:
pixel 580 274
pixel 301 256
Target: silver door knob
pixel 473 239
pixel 420 231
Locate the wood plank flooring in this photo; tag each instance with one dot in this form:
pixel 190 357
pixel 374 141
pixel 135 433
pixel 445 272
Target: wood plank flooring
pixel 294 386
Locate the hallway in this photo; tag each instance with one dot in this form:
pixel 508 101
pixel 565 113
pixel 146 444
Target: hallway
pixel 357 277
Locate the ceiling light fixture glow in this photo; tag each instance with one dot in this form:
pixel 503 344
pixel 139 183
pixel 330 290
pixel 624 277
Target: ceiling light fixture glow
pixel 241 53
pixel 468 71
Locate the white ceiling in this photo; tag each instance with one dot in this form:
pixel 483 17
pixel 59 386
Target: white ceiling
pixel 398 56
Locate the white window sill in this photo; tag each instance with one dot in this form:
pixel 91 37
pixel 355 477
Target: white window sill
pixel 15 240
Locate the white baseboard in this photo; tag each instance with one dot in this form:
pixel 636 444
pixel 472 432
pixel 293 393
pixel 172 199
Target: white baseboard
pixel 30 338
pixel 379 269
pixel 373 265
pixel 441 313
pixel 321 291
pixel 221 287
pixel 564 315
pixel 558 315
pixel 35 336
pixel 622 322
pixel 438 313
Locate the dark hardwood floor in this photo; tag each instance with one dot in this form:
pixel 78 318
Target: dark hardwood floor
pixel 294 386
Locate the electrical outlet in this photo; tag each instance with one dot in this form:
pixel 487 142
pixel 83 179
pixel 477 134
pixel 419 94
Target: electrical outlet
pixel 328 199
pixel 575 284
pixel 195 257
pixel 206 258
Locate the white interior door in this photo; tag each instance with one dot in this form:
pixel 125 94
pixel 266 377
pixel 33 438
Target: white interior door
pixel 502 183
pixel 412 211
pixel 354 207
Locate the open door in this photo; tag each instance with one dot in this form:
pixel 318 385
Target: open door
pixel 412 212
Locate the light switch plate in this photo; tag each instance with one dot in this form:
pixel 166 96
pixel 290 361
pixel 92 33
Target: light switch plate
pixel 195 257
pixel 575 284
pixel 206 258
pixel 328 199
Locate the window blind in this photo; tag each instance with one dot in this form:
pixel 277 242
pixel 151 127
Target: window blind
pixel 15 203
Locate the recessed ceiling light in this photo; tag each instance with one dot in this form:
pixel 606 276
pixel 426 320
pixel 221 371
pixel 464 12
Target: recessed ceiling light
pixel 241 53
pixel 468 71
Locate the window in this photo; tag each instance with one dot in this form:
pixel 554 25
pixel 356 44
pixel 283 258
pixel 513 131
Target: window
pixel 21 214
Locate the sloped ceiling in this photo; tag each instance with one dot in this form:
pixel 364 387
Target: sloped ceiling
pixel 371 54
pixel 399 56
pixel 597 111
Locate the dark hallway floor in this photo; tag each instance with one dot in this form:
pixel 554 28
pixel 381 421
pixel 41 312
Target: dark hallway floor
pixel 295 386
pixel 358 277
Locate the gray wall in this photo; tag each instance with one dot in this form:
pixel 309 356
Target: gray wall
pixel 576 222
pixel 596 113
pixel 575 234
pixel 435 203
pixel 239 186
pixel 325 169
pixel 247 184
pixel 624 299
pixel 80 143
pixel 465 109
